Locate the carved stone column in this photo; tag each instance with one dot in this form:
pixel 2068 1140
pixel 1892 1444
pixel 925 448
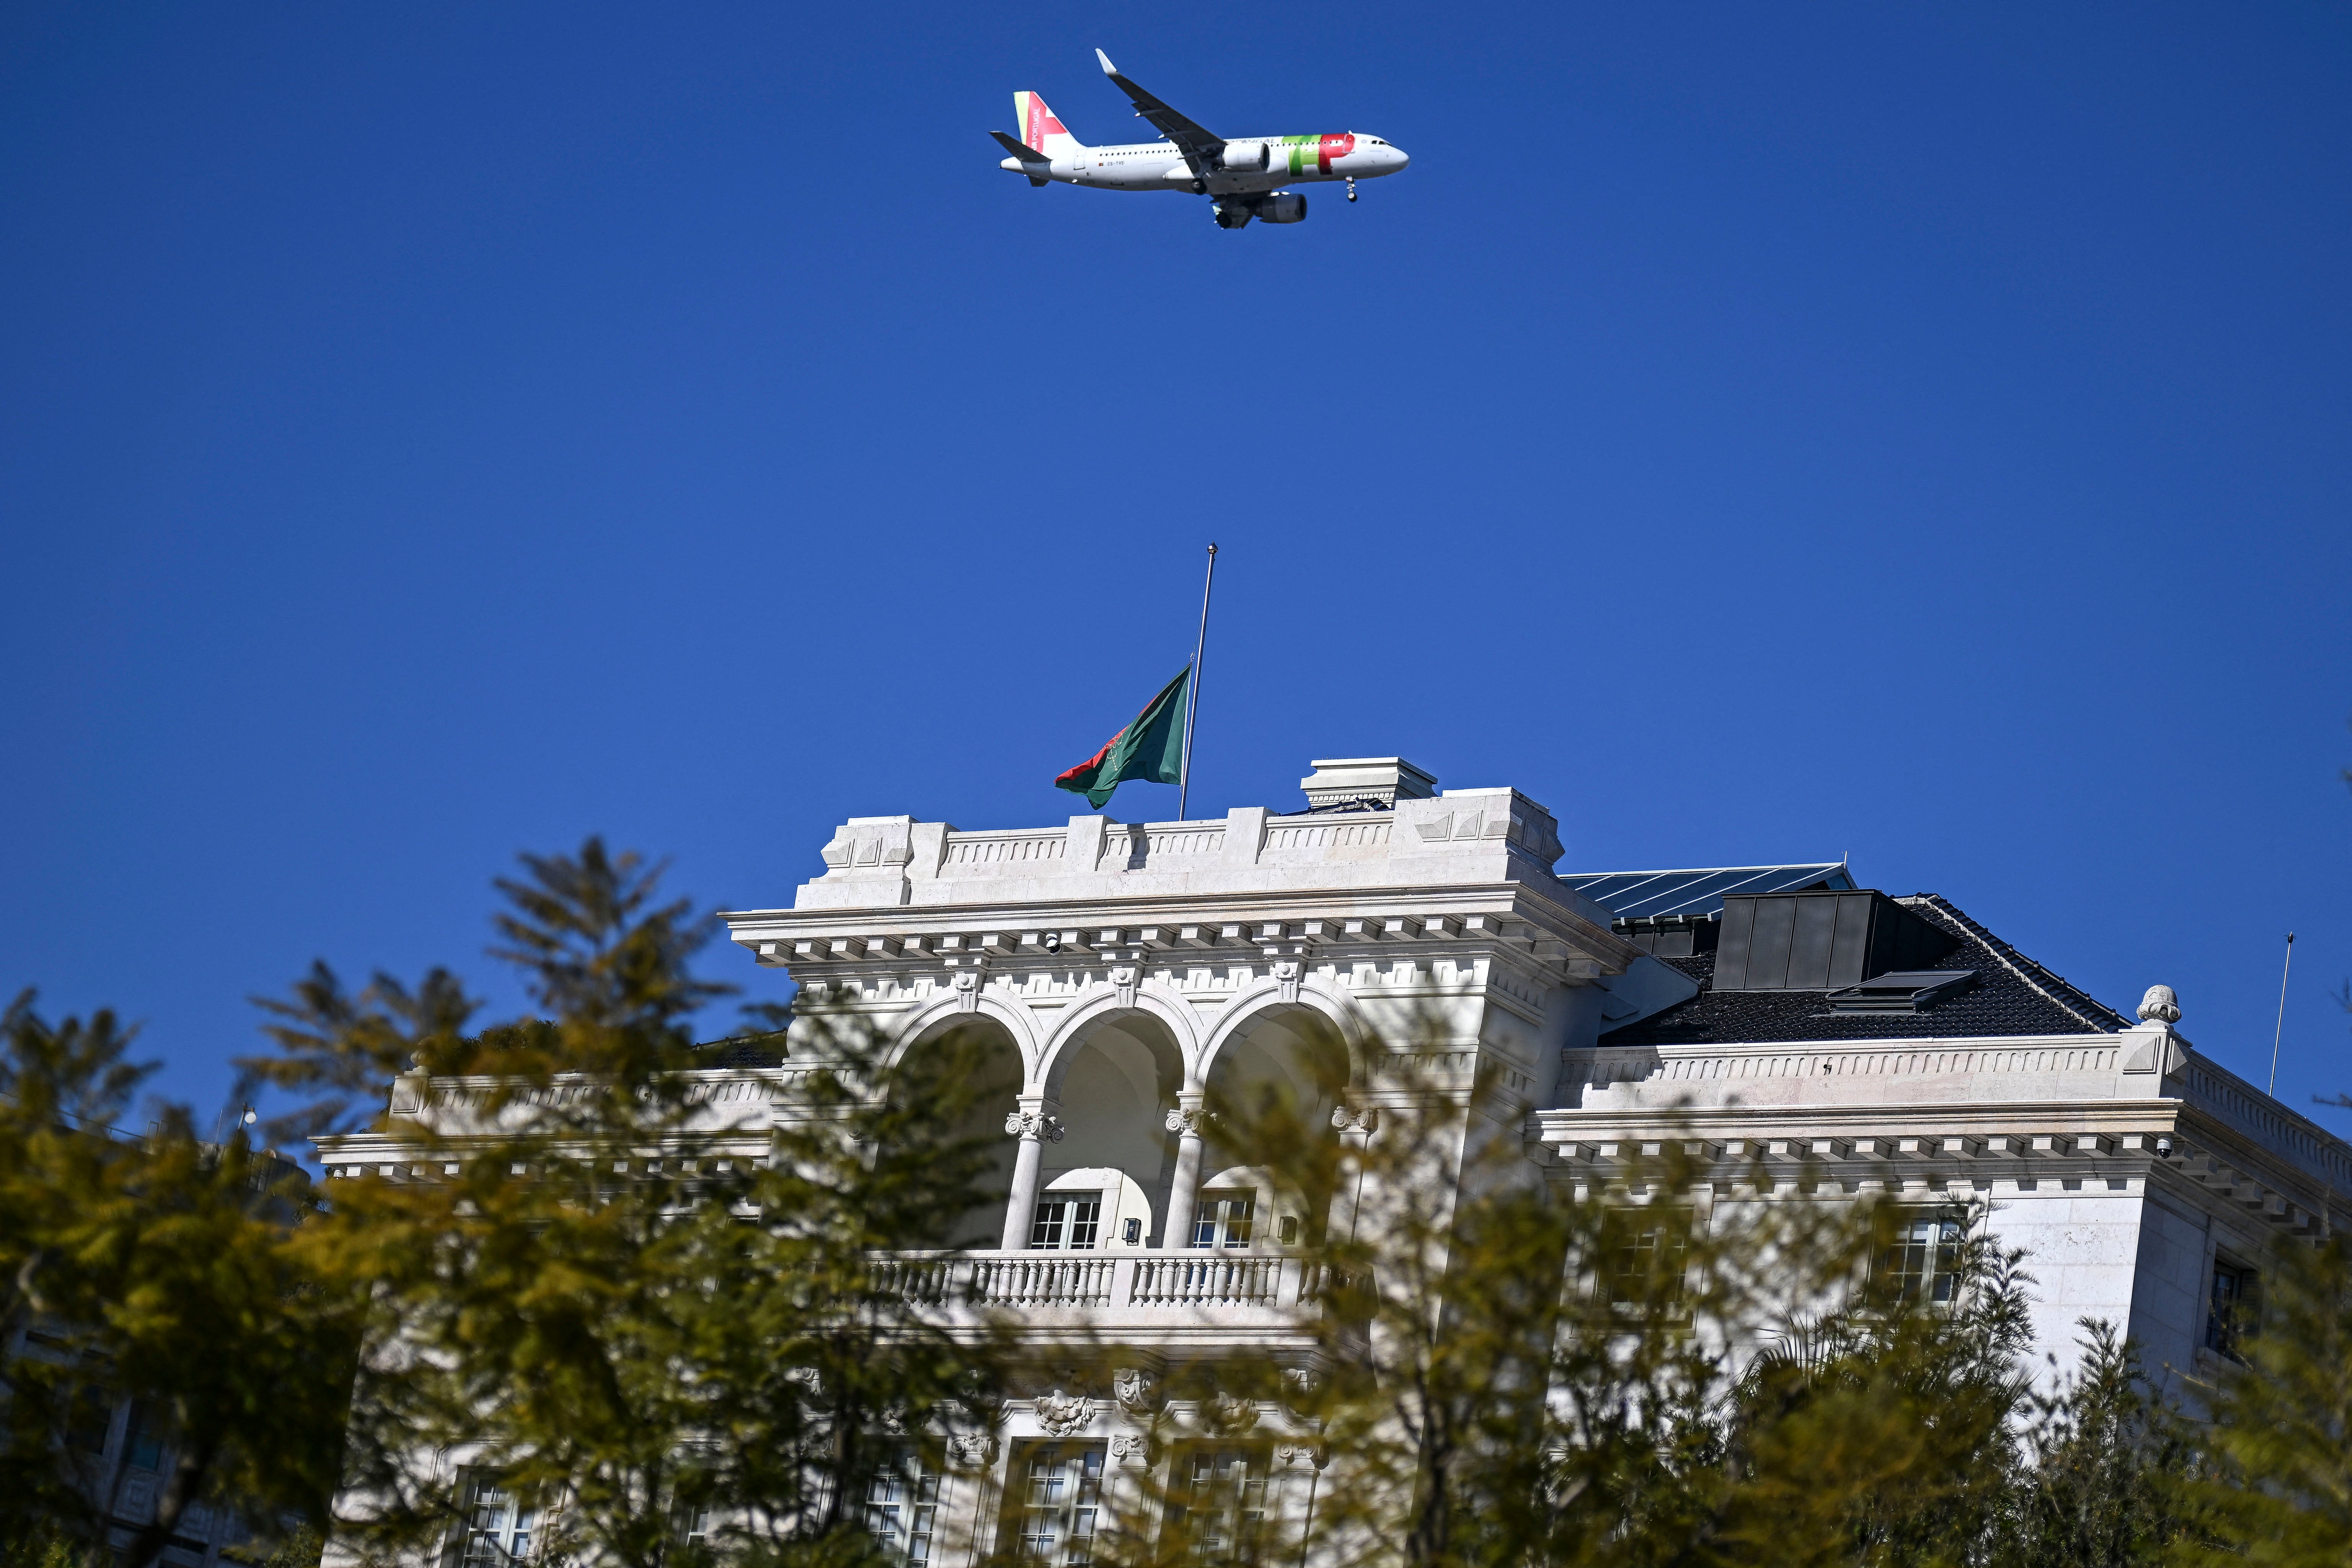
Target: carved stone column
pixel 1034 1126
pixel 1188 1121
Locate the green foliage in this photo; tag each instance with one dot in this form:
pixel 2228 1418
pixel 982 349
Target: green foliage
pixel 586 1281
pixel 2113 1467
pixel 1515 1372
pixel 161 1270
pixel 2282 1441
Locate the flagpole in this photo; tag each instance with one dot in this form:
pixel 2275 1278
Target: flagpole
pixel 1192 700
pixel 2281 1029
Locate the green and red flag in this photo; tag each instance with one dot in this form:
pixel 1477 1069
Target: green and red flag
pixel 1151 749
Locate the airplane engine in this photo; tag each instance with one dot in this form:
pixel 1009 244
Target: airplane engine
pixel 1282 207
pixel 1244 157
pixel 1230 212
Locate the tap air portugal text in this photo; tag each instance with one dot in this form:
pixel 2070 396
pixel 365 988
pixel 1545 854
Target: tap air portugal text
pixel 1242 176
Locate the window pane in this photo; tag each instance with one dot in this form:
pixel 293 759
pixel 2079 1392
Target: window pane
pixel 1922 1263
pixel 1223 1219
pixel 901 1506
pixel 1217 1503
pixel 498 1529
pixel 1646 1258
pixel 1056 1503
pixel 1045 1230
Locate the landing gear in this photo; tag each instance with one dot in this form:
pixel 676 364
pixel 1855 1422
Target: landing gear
pixel 1351 188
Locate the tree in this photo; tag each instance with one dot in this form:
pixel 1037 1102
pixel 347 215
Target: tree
pixel 2282 1433
pixel 660 1332
pixel 1651 1364
pixel 2111 1483
pixel 161 1270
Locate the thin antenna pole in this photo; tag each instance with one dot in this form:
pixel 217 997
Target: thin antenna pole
pixel 1193 701
pixel 2281 1029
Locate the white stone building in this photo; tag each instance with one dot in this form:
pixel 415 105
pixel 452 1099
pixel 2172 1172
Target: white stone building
pixel 1781 1012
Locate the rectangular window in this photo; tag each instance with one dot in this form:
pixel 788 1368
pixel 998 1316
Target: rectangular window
pixel 902 1507
pixel 2229 1308
pixel 1053 1502
pixel 695 1525
pixel 1070 1220
pixel 1223 1219
pixel 1216 1503
pixel 146 1438
pixel 1922 1264
pixel 1645 1256
pixel 500 1526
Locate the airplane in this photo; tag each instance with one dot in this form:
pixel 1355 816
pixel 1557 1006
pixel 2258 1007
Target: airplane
pixel 1242 176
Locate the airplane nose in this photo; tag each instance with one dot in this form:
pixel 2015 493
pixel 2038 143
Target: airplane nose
pixel 1398 157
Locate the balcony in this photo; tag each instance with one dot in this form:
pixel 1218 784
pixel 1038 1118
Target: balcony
pixel 1192 1294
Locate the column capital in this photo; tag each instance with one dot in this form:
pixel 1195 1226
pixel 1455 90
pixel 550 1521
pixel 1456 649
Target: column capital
pixel 1033 1126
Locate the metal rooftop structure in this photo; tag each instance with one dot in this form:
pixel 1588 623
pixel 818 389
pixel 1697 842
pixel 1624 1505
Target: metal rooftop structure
pixel 1638 895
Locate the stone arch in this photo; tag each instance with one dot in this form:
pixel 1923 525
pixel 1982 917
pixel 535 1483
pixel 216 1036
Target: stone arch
pixel 943 1011
pixel 1112 1070
pixel 1169 1008
pixel 990 1073
pixel 1264 1000
pixel 1288 1057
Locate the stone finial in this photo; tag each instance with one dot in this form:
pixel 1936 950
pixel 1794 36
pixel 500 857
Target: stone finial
pixel 2159 1006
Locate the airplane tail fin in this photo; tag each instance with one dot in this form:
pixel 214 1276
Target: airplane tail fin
pixel 1039 129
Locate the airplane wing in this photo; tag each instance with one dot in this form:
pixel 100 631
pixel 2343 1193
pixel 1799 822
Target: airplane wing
pixel 1200 148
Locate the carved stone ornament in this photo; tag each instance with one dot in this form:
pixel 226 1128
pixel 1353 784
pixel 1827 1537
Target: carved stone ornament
pixel 1299 1386
pixel 1125 976
pixel 1131 1449
pixel 1289 1454
pixel 2159 1006
pixel 1034 1125
pixel 1286 975
pixel 1356 1117
pixel 1194 1120
pixel 1060 1415
pixel 972 1450
pixel 1137 1390
pixel 967 990
pixel 1226 1412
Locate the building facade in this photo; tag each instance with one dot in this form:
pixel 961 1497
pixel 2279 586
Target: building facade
pixel 1780 1019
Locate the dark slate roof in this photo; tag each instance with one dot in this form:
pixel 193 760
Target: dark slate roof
pixel 2014 995
pixel 743 1051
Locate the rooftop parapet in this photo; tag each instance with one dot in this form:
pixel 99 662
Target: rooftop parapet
pixel 1462 837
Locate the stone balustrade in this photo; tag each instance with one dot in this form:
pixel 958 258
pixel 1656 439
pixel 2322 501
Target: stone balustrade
pixel 1119 1290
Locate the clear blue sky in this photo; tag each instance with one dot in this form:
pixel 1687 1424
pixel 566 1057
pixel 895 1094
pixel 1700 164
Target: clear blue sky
pixel 1758 433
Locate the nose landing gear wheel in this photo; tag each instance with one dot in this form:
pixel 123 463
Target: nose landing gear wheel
pixel 1352 190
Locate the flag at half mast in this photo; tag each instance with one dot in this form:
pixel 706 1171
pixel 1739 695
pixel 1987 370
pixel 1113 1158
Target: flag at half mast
pixel 1152 749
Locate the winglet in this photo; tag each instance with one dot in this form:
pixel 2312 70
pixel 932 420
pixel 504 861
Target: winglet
pixel 1108 68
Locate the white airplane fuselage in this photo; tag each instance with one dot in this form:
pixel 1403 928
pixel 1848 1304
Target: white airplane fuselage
pixel 1159 166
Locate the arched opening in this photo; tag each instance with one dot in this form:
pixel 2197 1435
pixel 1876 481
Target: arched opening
pixel 1272 1088
pixel 1114 1084
pixel 971 1068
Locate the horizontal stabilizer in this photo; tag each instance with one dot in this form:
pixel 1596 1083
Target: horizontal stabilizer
pixel 1019 149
